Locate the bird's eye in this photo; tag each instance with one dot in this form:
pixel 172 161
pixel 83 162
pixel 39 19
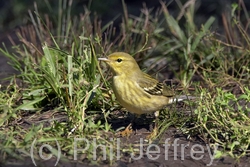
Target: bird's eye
pixel 119 60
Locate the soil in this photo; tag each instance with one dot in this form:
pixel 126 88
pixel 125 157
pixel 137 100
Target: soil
pixel 161 153
pixel 189 152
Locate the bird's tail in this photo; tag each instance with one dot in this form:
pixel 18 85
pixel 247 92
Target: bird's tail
pixel 179 98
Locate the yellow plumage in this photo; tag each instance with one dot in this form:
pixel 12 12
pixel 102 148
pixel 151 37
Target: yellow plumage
pixel 135 90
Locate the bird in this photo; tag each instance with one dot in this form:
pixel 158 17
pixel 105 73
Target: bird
pixel 135 90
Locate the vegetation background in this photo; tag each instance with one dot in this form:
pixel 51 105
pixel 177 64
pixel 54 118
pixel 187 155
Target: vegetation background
pixel 56 89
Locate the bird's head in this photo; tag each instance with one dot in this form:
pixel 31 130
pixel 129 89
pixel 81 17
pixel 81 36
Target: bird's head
pixel 121 63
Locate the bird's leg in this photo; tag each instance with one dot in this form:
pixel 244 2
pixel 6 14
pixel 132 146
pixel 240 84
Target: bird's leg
pixel 134 120
pixel 155 129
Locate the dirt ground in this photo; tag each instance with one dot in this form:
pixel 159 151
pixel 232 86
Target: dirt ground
pixel 187 153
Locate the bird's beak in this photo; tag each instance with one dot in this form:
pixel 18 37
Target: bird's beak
pixel 103 59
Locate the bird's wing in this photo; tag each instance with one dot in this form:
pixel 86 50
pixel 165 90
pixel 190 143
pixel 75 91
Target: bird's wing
pixel 154 87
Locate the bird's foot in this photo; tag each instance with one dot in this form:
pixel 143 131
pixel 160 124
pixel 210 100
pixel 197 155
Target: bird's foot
pixel 153 134
pixel 127 132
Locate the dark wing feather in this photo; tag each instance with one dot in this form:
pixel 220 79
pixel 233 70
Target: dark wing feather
pixel 154 87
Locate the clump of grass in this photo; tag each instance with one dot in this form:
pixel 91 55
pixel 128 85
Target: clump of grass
pixel 221 114
pixel 223 120
pixel 56 79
